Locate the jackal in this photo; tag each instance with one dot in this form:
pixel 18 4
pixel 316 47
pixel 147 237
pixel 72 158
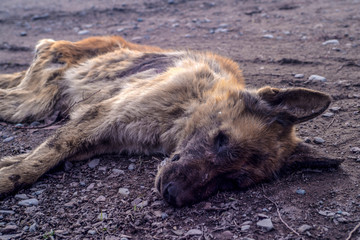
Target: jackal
pixel 191 106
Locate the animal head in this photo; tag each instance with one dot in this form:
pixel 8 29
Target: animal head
pixel 236 140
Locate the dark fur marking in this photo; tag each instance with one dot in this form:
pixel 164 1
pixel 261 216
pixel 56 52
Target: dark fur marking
pixel 14 178
pixel 257 158
pixel 53 76
pixel 91 114
pixel 159 62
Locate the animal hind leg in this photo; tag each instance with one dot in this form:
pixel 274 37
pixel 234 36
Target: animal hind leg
pixel 79 139
pixel 31 95
pixel 11 80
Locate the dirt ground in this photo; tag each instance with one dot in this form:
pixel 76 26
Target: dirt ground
pixel 272 40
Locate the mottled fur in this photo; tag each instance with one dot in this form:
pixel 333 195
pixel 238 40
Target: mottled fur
pixel 125 97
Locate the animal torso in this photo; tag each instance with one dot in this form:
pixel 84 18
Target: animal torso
pixel 150 94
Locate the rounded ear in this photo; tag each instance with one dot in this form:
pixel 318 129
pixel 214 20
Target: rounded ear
pixel 295 104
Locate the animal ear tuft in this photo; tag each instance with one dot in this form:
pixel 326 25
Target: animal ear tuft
pixel 295 104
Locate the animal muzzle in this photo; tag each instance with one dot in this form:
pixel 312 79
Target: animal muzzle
pixel 170 193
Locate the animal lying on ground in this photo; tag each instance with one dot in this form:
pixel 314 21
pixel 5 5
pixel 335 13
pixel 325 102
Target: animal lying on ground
pixel 191 106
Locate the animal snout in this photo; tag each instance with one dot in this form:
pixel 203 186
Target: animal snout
pixel 170 192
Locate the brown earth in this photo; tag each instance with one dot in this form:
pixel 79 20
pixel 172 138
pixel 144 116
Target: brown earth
pixel 272 41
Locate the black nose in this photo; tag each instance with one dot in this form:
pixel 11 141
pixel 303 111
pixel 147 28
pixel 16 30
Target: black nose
pixel 170 193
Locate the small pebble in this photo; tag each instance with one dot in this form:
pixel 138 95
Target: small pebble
pixel 136 201
pixel 328 114
pixel 9 139
pixel 140 20
pixel 260 215
pixel 68 165
pixel 70 204
pixel 21 196
pixel 265 224
pixel 335 109
pixel 7 212
pixel 19 125
pixel 268 36
pixel 34 124
pixel 101 199
pixel 23 34
pixel 318 140
pixel 355 149
pixel 124 192
pixel 83 32
pixel 317 78
pixel 226 235
pixel 131 167
pixel 303 228
pixel 8 229
pixel 307 140
pixel 117 172
pixel 38 17
pixel 143 204
pixel 287 32
pixel 90 187
pixel 91 232
pixel 29 202
pixel 332 41
pixel 299 76
pixel 221 30
pixel 102 216
pixel 301 191
pixel 244 228
pixel 326 213
pixel 164 216
pixel 93 163
pixel 193 232
pixel 32 228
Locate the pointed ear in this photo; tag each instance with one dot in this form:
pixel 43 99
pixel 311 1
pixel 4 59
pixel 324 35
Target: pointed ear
pixel 296 104
pixel 306 156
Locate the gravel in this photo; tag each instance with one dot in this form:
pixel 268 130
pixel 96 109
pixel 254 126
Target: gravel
pixel 93 163
pixel 301 191
pixel 317 78
pixel 131 167
pixel 318 140
pixel 193 232
pixel 331 42
pixel 7 212
pixel 8 139
pixel 21 196
pixel 29 202
pixel 335 109
pixel 303 228
pixel 124 192
pixel 245 228
pixel 299 75
pixel 84 32
pixel 268 36
pixel 355 149
pixel 265 224
pixel 328 114
pixel 33 227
